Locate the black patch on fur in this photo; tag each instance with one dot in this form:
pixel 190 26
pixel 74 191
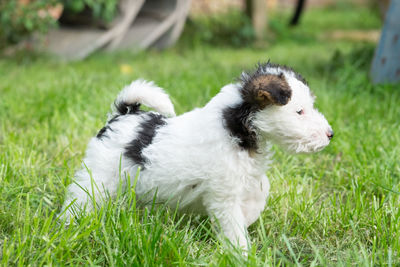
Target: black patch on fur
pixel 238 122
pixel 124 108
pixel 129 109
pixel 113 119
pixel 144 138
pixel 102 132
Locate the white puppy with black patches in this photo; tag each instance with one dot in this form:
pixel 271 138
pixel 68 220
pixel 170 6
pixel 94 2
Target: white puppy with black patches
pixel 211 160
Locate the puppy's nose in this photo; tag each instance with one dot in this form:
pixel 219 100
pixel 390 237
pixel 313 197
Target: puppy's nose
pixel 329 133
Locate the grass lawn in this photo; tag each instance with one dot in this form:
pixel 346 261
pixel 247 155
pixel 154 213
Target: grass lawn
pixel 338 207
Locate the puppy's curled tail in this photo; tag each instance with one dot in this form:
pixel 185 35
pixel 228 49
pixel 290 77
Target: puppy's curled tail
pixel 143 92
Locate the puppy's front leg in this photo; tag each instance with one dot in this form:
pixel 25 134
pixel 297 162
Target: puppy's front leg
pixel 230 218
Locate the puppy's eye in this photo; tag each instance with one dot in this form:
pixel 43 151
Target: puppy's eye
pixel 300 112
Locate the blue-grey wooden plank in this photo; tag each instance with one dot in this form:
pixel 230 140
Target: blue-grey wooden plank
pixel 386 62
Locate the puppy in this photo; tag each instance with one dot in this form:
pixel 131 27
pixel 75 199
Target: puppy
pixel 211 160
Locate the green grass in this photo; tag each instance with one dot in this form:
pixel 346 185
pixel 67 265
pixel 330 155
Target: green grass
pixel 337 207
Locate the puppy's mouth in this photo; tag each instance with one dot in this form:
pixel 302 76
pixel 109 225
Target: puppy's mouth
pixel 308 147
pixel 312 148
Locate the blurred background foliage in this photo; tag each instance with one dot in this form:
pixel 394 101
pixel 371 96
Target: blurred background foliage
pixel 100 9
pixel 212 22
pixel 21 18
pixel 232 28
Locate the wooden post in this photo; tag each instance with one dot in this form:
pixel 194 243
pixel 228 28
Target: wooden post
pixel 257 11
pixel 386 63
pixel 249 8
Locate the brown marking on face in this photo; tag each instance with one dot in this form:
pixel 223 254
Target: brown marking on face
pixel 268 89
pixel 264 97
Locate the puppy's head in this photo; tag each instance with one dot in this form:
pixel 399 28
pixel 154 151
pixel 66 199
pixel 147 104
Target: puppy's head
pixel 283 109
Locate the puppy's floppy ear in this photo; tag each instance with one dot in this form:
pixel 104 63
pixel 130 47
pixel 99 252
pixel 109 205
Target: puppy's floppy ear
pixel 267 89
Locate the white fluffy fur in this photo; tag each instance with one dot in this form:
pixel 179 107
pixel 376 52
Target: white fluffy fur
pixel 148 94
pixel 195 161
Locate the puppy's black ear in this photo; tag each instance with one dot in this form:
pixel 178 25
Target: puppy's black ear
pixel 267 89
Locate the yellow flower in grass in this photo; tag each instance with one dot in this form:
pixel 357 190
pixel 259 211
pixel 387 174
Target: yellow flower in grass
pixel 125 69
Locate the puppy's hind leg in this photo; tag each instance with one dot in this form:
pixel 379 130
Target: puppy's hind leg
pixel 81 195
pixel 88 190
